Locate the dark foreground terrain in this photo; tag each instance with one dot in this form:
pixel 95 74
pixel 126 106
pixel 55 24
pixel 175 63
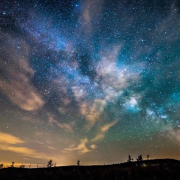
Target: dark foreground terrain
pixel 162 169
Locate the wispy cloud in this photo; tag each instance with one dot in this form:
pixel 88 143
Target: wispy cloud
pixel 67 127
pixel 51 147
pixel 93 146
pixel 100 135
pixel 92 111
pixel 7 141
pixel 81 148
pixel 91 11
pixel 25 151
pixel 16 86
pixel 107 126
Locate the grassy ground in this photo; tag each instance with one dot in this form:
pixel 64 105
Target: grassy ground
pixel 164 169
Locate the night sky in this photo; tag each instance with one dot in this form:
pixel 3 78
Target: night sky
pixel 95 80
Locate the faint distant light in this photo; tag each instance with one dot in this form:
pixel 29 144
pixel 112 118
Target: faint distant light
pixel 76 5
pixel 4 12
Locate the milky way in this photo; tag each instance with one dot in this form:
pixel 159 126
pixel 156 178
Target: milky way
pixel 94 80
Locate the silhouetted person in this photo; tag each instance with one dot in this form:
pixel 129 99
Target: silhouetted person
pixel 129 159
pixel 49 164
pixel 78 162
pixel 147 157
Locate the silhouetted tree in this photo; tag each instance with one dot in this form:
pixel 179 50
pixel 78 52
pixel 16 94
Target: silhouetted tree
pixel 1 166
pixel 78 162
pixel 49 164
pixel 12 165
pixel 129 159
pixel 147 157
pixel 139 158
